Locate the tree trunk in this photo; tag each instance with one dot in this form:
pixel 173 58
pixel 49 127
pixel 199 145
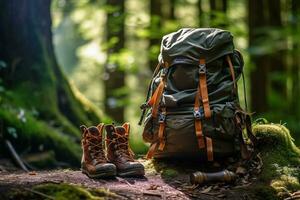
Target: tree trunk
pixel 259 72
pixel 295 69
pixel 218 11
pixel 213 10
pixel 201 14
pixel 33 79
pixel 155 31
pixel 172 10
pixel 277 59
pixel 115 75
pixel 27 49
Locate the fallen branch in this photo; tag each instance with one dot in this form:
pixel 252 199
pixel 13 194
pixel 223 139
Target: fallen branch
pixel 15 155
pixel 39 193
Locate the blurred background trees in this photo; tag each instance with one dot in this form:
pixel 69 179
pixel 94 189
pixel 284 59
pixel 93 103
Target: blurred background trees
pixel 107 50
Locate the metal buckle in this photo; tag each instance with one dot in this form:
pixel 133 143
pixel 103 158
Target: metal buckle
pixel 161 118
pixel 202 68
pixel 199 114
pixel 164 71
pixel 144 106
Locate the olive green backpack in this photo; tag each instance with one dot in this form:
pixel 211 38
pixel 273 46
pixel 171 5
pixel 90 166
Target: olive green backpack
pixel 192 107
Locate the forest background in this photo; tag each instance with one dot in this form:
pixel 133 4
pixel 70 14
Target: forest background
pixel 64 63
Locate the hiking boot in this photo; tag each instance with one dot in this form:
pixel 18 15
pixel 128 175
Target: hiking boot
pixel 119 152
pixel 94 163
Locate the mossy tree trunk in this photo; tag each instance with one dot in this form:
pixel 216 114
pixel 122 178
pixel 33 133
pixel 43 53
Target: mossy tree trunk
pixel 31 74
pixel 27 49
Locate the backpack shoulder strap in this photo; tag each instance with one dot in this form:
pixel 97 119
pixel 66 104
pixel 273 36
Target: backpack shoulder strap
pixel 145 106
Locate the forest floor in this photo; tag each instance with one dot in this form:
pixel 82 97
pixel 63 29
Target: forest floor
pixel 154 185
pixel 148 187
pixel 272 173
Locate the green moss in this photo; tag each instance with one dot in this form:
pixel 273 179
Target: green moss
pixel 280 156
pixel 169 173
pixel 42 103
pixel 61 192
pixel 33 133
pixel 66 191
pixel 93 112
pixel 263 192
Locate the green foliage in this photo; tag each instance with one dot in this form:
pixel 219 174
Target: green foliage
pixel 84 22
pixel 62 192
pixel 36 135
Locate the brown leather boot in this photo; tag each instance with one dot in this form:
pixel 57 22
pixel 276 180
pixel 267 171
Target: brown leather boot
pixel 119 152
pixel 94 163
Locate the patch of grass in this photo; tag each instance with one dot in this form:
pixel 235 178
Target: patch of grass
pixel 61 192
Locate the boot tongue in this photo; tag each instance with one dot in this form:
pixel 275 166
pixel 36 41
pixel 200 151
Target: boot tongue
pixel 121 131
pixel 93 131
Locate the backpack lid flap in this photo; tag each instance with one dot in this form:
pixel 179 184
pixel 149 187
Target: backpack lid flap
pixel 188 45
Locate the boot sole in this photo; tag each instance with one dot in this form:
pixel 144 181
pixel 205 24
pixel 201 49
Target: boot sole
pixel 133 172
pixel 104 174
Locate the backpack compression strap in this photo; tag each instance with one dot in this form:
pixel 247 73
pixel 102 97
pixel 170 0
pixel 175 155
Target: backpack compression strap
pixel 161 138
pixel 202 91
pixel 231 71
pixel 156 97
pixel 203 88
pixel 154 103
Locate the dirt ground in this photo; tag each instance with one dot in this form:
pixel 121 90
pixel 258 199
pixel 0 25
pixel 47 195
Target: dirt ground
pixel 152 186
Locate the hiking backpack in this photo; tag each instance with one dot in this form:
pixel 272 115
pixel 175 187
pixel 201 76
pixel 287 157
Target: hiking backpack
pixel 192 102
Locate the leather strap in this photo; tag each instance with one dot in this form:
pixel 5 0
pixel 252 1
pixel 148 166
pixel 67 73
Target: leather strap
pixel 250 134
pixel 161 130
pixel 209 148
pixel 203 88
pixel 161 139
pixel 151 150
pixel 162 142
pixel 154 100
pixel 231 71
pixel 198 125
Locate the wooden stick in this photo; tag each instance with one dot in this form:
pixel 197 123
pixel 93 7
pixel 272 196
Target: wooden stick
pixel 15 155
pixel 39 193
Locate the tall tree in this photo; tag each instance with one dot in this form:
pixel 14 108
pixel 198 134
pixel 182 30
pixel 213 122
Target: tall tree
pixel 200 14
pixel 155 31
pixel 31 74
pixel 278 55
pixel 295 69
pixel 218 10
pixel 171 5
pixel 27 49
pixel 115 75
pixel 259 72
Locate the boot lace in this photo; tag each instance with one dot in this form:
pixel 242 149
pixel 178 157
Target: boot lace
pixel 122 147
pixel 95 148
